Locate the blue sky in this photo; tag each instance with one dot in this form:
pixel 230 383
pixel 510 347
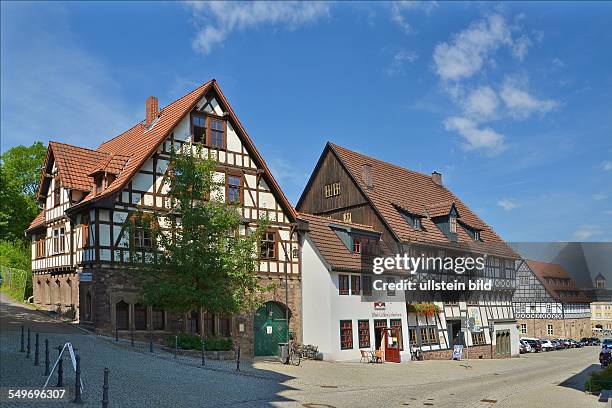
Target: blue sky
pixel 511 102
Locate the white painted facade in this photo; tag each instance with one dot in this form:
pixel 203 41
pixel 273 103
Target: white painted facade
pixel 323 308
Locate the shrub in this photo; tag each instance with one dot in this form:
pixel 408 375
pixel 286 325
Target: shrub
pixel 599 380
pixel 193 342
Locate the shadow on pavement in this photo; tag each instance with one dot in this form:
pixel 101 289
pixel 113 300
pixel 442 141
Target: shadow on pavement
pixel 577 380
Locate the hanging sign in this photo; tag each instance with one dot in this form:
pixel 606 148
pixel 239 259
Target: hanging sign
pixel 268 329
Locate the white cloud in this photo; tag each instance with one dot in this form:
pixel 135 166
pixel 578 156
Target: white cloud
pixel 584 232
pixel 520 47
pixel 399 59
pixel 481 103
pixel 221 18
pixel 607 165
pixel 399 7
pixel 520 103
pixel 558 62
pixel 469 50
pixel 507 204
pixel 599 196
pixel 476 138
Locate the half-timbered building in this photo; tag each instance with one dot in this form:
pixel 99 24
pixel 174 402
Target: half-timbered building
pixel 80 243
pixel 415 214
pixel 548 304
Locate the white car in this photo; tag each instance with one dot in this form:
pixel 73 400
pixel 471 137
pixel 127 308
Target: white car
pixel 547 345
pixel 527 346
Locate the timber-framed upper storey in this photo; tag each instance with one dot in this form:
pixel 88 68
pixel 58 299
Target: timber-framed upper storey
pixel 88 196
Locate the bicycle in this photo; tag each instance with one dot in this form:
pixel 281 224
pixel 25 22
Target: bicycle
pixel 295 353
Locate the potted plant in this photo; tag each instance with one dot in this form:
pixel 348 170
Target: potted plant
pixel 424 309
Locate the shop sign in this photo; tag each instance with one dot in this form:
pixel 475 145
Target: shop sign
pixel 379 305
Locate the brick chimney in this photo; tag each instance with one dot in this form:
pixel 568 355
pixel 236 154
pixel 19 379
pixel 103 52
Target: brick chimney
pixel 366 174
pixel 151 110
pixel 436 178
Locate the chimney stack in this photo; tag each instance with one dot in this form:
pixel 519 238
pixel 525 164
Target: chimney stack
pixel 367 176
pixel 437 178
pixel 151 110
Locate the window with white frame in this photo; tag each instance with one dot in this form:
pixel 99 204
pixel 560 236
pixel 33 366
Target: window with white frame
pixel 453 225
pixel 549 330
pixel 523 328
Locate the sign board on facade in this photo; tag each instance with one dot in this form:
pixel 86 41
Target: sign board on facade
pixel 268 329
pixel 379 305
pixel 474 320
pixel 85 277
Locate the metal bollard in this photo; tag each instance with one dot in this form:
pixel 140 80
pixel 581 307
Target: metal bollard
pixel 77 381
pixel 22 349
pixel 105 389
pixel 60 373
pixel 203 361
pixel 36 352
pixel 46 357
pixel 175 346
pixel 29 343
pixel 238 359
pixel 132 339
pixel 116 333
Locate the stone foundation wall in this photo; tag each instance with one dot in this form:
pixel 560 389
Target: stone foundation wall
pixel 475 352
pixel 110 286
pixel 562 328
pixel 57 292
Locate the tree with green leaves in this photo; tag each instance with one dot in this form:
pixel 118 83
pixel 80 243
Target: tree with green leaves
pixel 20 169
pixel 201 253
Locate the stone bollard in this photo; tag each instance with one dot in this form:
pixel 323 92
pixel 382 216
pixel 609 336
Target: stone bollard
pixel 46 357
pixel 60 373
pixel 29 343
pixel 77 381
pixel 203 361
pixel 105 389
pixel 22 349
pixel 238 359
pixel 36 352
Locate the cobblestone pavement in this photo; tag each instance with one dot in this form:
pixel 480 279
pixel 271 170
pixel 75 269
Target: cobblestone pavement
pixel 139 378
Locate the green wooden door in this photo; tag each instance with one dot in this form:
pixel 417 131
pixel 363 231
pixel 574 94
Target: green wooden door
pixel 270 328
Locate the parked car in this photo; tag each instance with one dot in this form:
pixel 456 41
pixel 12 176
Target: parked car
pixel 535 345
pixel 546 345
pixel 595 341
pixel 566 343
pixel 586 341
pixel 524 347
pixel 557 344
pixel 607 343
pixel 576 344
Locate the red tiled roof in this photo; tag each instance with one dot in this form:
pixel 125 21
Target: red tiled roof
pixel 74 164
pixel 395 186
pixel 331 247
pixel 38 221
pixel 551 275
pixel 126 153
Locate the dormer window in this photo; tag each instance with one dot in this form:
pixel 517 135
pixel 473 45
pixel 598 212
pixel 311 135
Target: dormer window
pixel 476 235
pixel 453 225
pixel 417 223
pixel 600 282
pixel 99 183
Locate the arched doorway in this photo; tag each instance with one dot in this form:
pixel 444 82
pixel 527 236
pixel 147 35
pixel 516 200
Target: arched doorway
pixel 269 328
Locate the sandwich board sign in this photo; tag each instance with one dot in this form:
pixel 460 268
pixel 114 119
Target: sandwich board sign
pixel 67 346
pixel 457 352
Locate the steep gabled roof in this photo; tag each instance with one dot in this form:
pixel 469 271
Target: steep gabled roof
pixel 38 221
pixel 396 188
pixel 73 163
pixel 331 247
pixel 127 152
pixel 551 275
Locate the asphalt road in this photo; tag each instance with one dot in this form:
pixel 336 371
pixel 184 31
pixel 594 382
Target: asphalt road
pixel 541 380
